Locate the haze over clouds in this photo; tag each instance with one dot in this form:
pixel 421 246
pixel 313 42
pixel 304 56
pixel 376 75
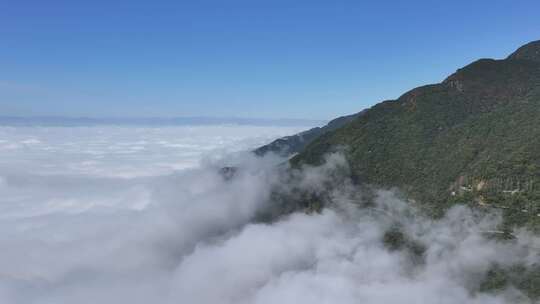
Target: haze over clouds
pixel 72 169
pixel 141 215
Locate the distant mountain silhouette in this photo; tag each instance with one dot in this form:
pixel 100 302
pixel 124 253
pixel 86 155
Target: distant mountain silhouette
pixel 150 121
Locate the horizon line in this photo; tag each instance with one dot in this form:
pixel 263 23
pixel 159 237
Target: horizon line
pixel 59 120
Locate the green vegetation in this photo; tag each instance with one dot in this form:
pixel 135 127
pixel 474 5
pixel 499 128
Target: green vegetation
pixel 296 143
pixel 395 239
pixel 475 137
pixel 472 139
pixel 525 279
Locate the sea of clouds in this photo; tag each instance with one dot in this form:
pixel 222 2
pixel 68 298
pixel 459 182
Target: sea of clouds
pixel 142 215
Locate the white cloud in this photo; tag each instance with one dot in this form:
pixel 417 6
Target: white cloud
pixel 85 234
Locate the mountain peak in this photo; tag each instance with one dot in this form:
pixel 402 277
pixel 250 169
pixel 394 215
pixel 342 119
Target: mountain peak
pixel 530 51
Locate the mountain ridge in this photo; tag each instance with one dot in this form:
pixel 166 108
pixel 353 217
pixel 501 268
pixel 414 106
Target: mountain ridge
pixel 529 51
pixel 295 143
pixel 472 138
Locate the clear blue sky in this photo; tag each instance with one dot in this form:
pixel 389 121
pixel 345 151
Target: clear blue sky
pixel 272 59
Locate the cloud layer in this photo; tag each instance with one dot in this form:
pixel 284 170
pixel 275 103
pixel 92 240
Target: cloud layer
pixel 72 235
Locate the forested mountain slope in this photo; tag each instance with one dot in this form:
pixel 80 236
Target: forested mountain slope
pixel 475 137
pixel 295 143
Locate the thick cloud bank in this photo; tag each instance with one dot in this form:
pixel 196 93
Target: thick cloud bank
pixel 192 236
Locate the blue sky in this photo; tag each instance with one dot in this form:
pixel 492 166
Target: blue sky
pixel 270 59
